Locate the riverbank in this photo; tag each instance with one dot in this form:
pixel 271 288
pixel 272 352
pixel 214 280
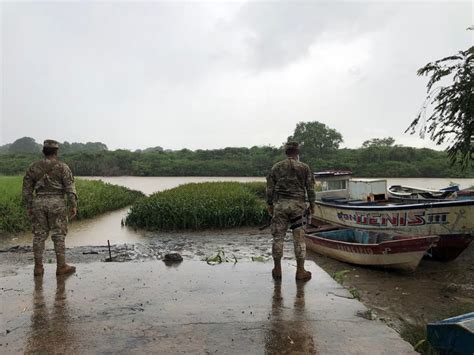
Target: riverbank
pixel 405 302
pixel 95 198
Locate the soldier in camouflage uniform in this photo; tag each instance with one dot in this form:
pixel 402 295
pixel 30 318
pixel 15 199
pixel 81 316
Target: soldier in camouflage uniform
pixel 288 184
pixel 44 186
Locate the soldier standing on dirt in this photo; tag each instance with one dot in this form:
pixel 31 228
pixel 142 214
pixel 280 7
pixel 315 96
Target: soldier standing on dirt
pixel 44 186
pixel 288 183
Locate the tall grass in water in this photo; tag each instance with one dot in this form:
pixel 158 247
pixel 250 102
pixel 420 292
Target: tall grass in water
pixel 95 197
pixel 13 217
pixel 201 206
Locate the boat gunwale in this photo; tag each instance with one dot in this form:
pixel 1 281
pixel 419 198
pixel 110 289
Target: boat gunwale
pixel 427 239
pixel 436 204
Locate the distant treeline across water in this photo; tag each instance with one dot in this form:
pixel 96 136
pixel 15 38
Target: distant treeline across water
pixel 371 161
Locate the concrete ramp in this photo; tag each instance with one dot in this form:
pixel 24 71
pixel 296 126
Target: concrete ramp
pixel 148 307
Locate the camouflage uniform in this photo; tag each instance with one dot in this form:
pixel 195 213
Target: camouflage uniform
pixel 44 186
pixel 288 184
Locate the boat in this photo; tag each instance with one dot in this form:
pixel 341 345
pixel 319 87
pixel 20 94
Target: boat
pixel 402 192
pixel 453 335
pixel 466 194
pixel 371 248
pixel 364 204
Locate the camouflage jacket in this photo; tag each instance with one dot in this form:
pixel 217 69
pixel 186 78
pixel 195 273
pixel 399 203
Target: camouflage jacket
pixel 48 177
pixel 290 179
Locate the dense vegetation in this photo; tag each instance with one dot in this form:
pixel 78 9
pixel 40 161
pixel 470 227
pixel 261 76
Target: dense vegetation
pixel 372 161
pixel 27 145
pixel 95 197
pixel 377 157
pixel 201 206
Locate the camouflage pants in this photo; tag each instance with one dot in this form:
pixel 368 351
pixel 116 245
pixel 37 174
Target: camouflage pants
pixel 49 215
pixel 288 213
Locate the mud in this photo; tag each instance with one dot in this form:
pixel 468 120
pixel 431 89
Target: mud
pixel 244 244
pixel 409 301
pixel 147 307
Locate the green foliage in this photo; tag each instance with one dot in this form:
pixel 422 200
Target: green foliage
pixel 452 106
pixel 70 148
pixel 378 142
pixel 378 157
pixel 340 276
pixel 25 145
pixel 13 217
pixel 373 161
pixel 95 197
pixel 200 206
pixel 316 139
pixel 219 258
pixel 4 149
pixel 355 293
pixel 15 164
pixel 257 188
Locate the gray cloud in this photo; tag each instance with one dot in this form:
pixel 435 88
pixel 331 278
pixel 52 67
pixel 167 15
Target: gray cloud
pixel 208 74
pixel 281 32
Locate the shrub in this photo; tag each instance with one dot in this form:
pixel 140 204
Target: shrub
pixel 201 206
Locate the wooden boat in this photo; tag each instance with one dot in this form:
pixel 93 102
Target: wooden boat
pixel 371 248
pixel 453 221
pixel 402 192
pixel 363 204
pixel 435 218
pixel 453 335
pixel 466 194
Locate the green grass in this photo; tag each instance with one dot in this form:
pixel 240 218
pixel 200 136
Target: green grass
pixel 13 217
pixel 340 276
pixel 201 206
pixel 95 197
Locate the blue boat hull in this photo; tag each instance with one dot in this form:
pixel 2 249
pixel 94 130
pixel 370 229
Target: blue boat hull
pixel 453 335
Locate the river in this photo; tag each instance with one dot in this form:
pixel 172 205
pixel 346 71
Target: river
pixel 107 226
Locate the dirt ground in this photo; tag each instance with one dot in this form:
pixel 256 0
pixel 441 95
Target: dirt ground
pixel 406 302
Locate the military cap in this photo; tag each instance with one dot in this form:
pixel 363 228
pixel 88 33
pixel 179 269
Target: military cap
pixel 292 146
pixel 49 143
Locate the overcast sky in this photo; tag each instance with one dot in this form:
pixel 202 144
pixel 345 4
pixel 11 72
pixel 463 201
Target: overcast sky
pixel 206 75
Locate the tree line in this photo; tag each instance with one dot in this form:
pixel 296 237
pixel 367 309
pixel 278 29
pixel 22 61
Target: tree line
pixel 378 157
pixel 28 145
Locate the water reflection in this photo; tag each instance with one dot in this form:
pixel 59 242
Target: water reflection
pixel 289 331
pixel 50 332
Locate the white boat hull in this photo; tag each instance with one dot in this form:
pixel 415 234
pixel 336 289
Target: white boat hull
pixel 436 218
pixel 403 261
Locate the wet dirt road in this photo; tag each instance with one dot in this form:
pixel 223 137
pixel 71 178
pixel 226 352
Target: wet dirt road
pixel 140 307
